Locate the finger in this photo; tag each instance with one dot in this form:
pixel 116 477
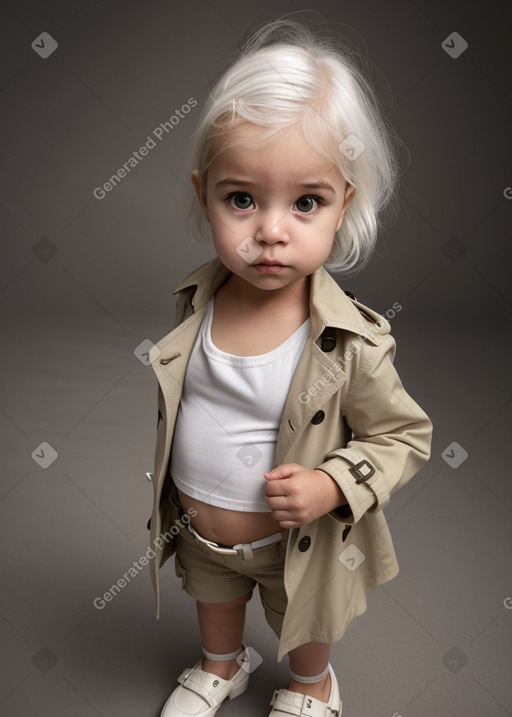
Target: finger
pixel 278 502
pixel 276 487
pixel 287 521
pixel 283 471
pixel 282 516
pixel 288 524
pixel 283 510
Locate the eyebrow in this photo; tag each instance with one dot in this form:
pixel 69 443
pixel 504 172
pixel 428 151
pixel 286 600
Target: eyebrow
pixel 231 180
pixel 321 184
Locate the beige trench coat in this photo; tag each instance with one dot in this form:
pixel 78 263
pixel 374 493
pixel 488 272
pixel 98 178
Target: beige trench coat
pixel 346 413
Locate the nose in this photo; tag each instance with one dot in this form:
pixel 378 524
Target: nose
pixel 272 227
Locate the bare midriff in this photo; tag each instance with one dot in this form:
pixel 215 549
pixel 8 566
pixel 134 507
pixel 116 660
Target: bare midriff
pixel 228 527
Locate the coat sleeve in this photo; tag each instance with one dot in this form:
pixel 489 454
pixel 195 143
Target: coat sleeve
pixel 391 436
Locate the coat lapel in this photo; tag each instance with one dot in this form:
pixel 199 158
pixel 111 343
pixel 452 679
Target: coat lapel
pixel 169 359
pixel 314 373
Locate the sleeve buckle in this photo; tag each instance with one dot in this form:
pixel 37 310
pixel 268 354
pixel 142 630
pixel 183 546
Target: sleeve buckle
pixel 362 472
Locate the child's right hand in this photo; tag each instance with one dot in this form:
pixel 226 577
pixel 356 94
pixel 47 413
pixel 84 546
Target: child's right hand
pixel 297 495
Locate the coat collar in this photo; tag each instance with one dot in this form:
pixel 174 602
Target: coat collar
pixel 329 305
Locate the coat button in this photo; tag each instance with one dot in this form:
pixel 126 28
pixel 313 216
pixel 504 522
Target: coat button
pixel 304 543
pixel 318 418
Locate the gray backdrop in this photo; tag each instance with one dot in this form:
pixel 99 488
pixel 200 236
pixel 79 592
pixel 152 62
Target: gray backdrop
pixel 85 281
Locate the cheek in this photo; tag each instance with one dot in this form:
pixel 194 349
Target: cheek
pixel 319 240
pixel 223 232
pixel 226 239
pixel 325 227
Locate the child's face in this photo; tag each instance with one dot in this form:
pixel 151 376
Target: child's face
pixel 277 202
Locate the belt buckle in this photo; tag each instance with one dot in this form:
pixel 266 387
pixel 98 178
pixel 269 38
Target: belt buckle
pixel 221 551
pixel 244 550
pixel 213 546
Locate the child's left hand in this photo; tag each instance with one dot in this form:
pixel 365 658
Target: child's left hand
pixel 297 495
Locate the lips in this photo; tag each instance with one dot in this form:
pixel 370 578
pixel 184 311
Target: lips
pixel 268 262
pixel 268 267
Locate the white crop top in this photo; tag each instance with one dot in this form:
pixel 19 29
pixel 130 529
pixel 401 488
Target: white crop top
pixel 228 419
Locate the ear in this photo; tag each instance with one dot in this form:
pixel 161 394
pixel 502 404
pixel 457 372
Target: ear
pixel 200 187
pixel 349 194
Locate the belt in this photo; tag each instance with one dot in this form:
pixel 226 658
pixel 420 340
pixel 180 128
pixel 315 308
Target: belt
pixel 244 550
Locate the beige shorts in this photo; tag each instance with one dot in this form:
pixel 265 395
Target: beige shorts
pixel 210 577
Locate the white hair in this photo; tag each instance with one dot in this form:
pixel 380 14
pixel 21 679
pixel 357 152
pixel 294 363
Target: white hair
pixel 286 76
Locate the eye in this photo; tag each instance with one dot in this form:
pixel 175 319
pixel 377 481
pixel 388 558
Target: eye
pixel 308 204
pixel 240 200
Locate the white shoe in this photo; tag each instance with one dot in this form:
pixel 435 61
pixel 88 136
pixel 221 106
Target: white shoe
pixel 200 693
pixel 286 703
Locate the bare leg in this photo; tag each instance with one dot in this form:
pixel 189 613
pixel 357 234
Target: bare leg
pixel 222 629
pixel 308 660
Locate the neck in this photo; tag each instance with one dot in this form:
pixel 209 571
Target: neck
pixel 249 296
